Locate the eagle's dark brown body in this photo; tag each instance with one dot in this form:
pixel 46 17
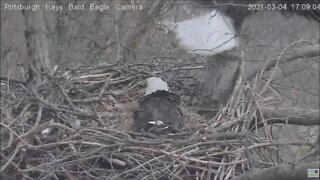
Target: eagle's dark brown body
pixel 160 106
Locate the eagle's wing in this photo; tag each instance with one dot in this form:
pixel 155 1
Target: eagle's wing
pixel 162 107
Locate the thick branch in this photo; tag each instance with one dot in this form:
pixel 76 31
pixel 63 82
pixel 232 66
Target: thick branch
pixel 292 115
pixel 10 79
pixel 282 171
pixel 309 51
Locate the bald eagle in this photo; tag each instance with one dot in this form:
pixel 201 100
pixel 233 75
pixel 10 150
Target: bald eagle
pixel 160 111
pixel 155 84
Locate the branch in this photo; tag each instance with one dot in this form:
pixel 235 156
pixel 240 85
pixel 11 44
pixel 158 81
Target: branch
pixel 282 171
pixel 17 81
pixel 309 51
pixel 292 115
pixel 54 107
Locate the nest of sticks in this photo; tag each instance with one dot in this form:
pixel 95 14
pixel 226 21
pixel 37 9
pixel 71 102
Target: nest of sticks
pixel 75 124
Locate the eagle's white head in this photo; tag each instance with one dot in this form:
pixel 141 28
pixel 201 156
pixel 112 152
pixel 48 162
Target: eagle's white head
pixel 154 84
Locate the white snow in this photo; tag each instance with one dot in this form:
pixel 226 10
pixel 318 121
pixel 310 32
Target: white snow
pixel 206 35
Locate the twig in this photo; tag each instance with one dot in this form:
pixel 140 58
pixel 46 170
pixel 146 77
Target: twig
pixel 57 108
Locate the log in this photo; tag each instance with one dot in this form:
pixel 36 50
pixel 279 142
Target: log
pixel 292 115
pixel 282 171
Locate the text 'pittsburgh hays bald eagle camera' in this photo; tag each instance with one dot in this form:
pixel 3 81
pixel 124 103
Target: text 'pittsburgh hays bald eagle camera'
pixel 159 111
